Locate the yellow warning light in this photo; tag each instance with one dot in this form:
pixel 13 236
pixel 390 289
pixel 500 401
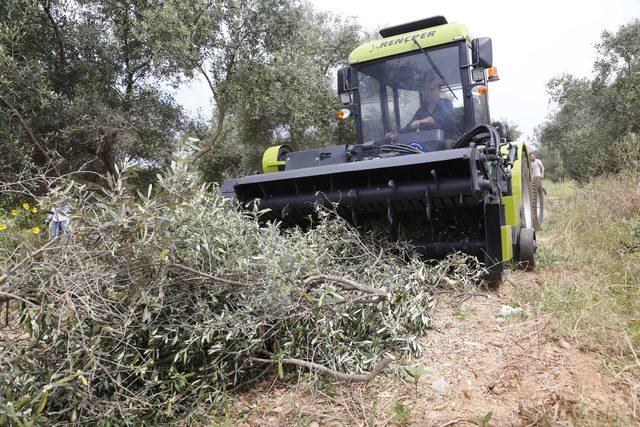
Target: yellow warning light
pixel 493 74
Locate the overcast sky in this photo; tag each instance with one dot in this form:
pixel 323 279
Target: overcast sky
pixel 533 41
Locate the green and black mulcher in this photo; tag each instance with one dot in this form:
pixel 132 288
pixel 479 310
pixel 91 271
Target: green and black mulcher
pixel 427 162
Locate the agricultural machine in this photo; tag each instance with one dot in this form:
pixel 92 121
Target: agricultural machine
pixel 427 162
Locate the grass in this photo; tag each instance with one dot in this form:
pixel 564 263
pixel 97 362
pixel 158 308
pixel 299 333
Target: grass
pixel 590 261
pixel 560 189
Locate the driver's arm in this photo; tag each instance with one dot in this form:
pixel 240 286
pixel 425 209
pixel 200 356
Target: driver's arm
pixel 446 119
pixel 419 115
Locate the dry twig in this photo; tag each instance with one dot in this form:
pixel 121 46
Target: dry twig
pixel 346 284
pixel 339 375
pixel 209 276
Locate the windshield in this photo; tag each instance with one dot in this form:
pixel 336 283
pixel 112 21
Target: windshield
pixel 406 94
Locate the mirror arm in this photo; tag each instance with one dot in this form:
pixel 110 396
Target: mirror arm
pixel 473 64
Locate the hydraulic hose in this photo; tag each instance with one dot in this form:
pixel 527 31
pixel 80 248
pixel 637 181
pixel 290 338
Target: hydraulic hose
pixel 475 135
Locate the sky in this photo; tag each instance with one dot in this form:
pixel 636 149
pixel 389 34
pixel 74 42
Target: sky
pixel 533 41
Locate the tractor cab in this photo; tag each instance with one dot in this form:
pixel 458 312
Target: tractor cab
pixel 424 88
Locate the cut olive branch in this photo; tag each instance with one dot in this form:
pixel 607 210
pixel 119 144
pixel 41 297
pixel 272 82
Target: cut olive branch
pixel 339 375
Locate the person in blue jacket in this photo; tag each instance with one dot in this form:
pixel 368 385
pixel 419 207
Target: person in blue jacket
pixel 435 112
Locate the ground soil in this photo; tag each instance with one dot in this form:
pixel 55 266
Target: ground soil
pixel 508 370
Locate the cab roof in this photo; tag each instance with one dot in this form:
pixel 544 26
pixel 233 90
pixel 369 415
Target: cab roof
pixel 427 36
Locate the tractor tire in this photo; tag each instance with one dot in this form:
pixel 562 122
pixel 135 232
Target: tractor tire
pixel 537 201
pixel 528 212
pixel 527 248
pixel 524 253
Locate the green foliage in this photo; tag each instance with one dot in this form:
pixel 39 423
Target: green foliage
pixel 285 95
pixel 595 128
pixel 401 413
pixel 417 372
pixel 554 166
pixel 268 71
pixel 84 83
pixel 151 310
pixel 464 312
pixel 484 420
pixel 91 80
pixel 291 93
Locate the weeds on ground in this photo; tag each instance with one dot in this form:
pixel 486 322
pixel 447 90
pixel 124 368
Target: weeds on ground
pixel 560 189
pixel 592 252
pixel 463 312
pixel 401 413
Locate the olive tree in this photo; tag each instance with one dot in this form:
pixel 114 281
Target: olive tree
pixel 80 87
pixel 267 65
pixel 594 127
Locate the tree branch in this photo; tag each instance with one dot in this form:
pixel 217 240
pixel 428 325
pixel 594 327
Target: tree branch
pixel 208 276
pixel 221 111
pixel 62 57
pixel 6 296
pixel 106 152
pixel 339 375
pixel 15 115
pixel 346 284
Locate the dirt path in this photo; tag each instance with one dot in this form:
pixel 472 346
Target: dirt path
pixel 480 362
pixel 508 370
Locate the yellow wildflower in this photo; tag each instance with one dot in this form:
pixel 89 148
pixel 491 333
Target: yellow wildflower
pixel 34 210
pixel 3 226
pixel 26 206
pixel 36 230
pixel 15 212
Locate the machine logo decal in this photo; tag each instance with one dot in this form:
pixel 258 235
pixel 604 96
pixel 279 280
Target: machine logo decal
pixel 407 39
pixel 417 146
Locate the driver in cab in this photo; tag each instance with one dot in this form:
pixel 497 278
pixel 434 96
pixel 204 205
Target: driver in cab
pixel 435 113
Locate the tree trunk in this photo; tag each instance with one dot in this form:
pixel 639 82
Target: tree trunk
pixel 107 156
pixel 221 112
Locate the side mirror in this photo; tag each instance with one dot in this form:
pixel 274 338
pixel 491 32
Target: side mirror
pixel 344 85
pixel 482 52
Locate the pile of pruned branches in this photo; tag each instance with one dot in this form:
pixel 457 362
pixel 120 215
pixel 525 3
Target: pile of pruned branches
pixel 159 305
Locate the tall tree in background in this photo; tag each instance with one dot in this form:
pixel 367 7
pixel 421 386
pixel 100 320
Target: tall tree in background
pixel 217 41
pixel 290 97
pixel 79 89
pixel 266 64
pixel 86 84
pixel 595 126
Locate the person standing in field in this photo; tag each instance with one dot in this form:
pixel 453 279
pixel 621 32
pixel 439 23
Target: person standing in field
pixel 59 218
pixel 537 168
